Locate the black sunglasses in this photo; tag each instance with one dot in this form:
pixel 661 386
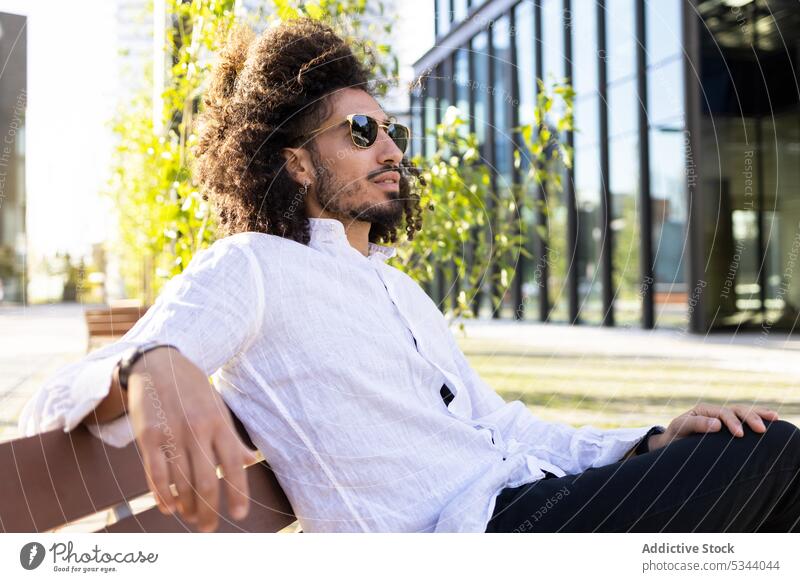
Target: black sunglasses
pixel 364 131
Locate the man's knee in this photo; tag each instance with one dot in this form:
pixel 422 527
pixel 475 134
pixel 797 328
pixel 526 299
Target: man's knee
pixel 780 444
pixel 782 438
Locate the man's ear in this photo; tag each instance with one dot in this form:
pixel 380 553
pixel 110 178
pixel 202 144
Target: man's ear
pixel 298 164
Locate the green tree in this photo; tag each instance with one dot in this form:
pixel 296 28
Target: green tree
pixel 163 218
pixel 548 156
pixel 460 232
pixel 470 227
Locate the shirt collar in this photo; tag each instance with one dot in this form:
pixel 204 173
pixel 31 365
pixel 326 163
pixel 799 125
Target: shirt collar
pixel 331 230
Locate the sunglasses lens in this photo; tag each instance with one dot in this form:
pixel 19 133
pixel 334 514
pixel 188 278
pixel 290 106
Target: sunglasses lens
pixel 399 135
pixel 364 130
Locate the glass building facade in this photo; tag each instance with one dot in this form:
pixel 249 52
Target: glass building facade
pixel 681 208
pixel 13 103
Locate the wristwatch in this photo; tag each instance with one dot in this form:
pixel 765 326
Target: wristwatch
pixel 643 447
pixel 131 356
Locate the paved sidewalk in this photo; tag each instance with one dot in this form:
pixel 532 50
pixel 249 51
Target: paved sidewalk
pixel 754 351
pixel 35 342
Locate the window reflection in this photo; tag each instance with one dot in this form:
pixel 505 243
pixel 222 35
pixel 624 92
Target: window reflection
pixel 585 110
pixel 416 122
pixel 586 162
pixel 663 23
pixel 669 214
pixel 444 74
pixel 460 10
pixel 501 93
pixel 552 39
pixel 480 85
pixel 503 142
pixel 665 91
pixel 481 103
pixel 623 108
pixel 623 153
pixel 590 232
pixel 620 39
pixel 429 96
pixel 782 217
pixel 462 81
pixel 583 23
pixel 552 47
pixel 668 151
pixel 443 17
pixel 526 45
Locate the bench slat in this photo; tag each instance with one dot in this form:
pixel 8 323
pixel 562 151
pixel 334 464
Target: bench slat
pixel 112 322
pixel 110 329
pixel 96 320
pixel 55 477
pixel 110 316
pixel 270 511
pixel 115 311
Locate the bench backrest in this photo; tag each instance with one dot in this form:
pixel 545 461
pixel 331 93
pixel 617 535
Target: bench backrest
pixel 109 323
pixel 54 478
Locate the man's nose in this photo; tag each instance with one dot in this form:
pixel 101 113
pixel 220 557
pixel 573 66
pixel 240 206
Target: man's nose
pixel 388 152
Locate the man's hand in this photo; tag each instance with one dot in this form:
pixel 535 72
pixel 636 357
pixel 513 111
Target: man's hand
pixel 184 431
pixel 710 418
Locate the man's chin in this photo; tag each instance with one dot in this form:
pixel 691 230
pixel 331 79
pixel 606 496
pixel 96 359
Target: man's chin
pixel 388 214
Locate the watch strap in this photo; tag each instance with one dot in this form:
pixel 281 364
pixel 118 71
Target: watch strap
pixel 643 446
pixel 131 356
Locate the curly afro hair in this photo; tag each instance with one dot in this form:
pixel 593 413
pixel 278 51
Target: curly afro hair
pixel 265 94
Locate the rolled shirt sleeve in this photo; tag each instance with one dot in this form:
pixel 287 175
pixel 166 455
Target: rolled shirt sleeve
pixel 572 449
pixel 210 313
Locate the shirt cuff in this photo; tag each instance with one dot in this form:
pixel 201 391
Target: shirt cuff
pixel 90 387
pixel 117 433
pixel 70 397
pixel 614 443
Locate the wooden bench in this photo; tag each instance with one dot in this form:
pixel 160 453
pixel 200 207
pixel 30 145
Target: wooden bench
pixel 106 324
pixel 672 298
pixel 55 478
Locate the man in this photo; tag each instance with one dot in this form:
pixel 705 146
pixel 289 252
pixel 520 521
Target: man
pixel 343 371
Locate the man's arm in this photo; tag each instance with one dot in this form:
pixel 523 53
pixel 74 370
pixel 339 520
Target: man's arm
pixel 69 396
pixel 210 313
pixel 572 449
pixel 112 406
pixel 632 453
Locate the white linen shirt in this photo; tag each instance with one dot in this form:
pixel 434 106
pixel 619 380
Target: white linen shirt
pixel 334 362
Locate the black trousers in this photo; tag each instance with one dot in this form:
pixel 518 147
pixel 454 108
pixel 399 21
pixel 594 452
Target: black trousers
pixel 712 482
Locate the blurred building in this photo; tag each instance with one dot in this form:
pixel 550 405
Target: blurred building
pixel 682 207
pixel 13 101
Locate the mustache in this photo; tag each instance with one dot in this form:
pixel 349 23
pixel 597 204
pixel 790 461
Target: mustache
pixel 397 169
pixel 406 170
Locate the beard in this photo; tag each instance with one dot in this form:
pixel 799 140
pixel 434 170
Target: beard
pixel 337 198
